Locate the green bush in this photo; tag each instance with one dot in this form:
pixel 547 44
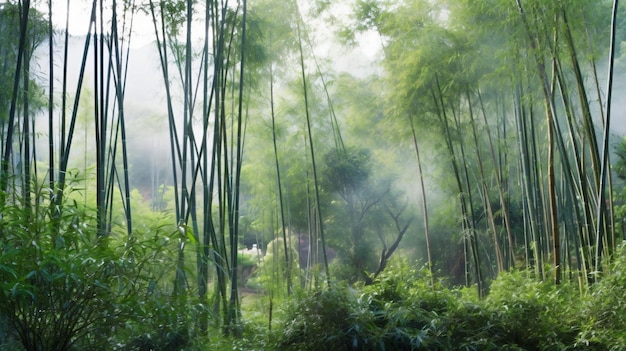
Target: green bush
pixel 409 311
pixel 63 288
pixel 399 311
pixel 606 309
pixel 319 320
pixel 402 310
pixel 533 315
pixel 53 281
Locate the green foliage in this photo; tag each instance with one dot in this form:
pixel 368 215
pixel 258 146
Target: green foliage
pixel 174 15
pixel 406 310
pixel 402 310
pixel 70 291
pixel 607 308
pixel 10 28
pixel 62 288
pixel 54 290
pixel 346 171
pixel 318 321
pixel 152 316
pixel 533 314
pixel 65 289
pixel 619 165
pixel 387 315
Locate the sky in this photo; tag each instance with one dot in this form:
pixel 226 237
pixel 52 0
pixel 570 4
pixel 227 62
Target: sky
pixel 358 61
pixel 80 11
pixel 144 91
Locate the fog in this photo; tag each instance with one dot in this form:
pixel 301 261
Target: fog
pixel 432 172
pixel 352 109
pixel 145 102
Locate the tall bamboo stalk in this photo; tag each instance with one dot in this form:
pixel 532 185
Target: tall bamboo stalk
pixel 483 186
pixel 67 132
pixel 467 216
pixel 26 135
pixel 424 202
pixel 501 187
pixel 320 220
pixel 6 156
pixel 51 149
pixel 279 182
pixel 550 120
pixel 234 308
pixel 601 235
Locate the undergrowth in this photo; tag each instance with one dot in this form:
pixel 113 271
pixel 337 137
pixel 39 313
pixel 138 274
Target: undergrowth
pixel 65 289
pixel 402 310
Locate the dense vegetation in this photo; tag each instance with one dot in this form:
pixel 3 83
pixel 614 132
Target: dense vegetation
pixel 402 310
pixel 462 188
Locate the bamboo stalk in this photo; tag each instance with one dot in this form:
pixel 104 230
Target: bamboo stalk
pixel 51 150
pixel 467 221
pixel 483 186
pixel 424 203
pixel 278 180
pixel 500 185
pixel 312 148
pixel 550 120
pixel 6 156
pixel 601 236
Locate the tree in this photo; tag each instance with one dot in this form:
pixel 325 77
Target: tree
pixel 364 214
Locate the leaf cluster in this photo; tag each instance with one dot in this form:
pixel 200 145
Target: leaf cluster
pixel 404 310
pixel 63 288
pixel 347 170
pixel 606 309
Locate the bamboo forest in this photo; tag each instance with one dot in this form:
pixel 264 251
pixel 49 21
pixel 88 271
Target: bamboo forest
pixel 312 175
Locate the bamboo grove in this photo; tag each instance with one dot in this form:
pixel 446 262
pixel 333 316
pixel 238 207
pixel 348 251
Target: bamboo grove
pixel 204 162
pixel 522 115
pixel 504 106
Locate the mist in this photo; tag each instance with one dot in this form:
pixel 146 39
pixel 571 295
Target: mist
pixel 358 156
pixel 346 102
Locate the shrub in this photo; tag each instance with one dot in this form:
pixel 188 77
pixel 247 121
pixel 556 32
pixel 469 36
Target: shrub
pixel 401 310
pixel 531 314
pixel 318 320
pixel 62 288
pixel 408 311
pixel 606 310
pixel 53 281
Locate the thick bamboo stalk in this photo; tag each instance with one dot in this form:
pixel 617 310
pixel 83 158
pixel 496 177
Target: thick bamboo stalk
pixel 500 184
pixel 51 149
pixel 6 156
pixel 467 220
pixel 550 121
pixel 601 222
pixel 483 186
